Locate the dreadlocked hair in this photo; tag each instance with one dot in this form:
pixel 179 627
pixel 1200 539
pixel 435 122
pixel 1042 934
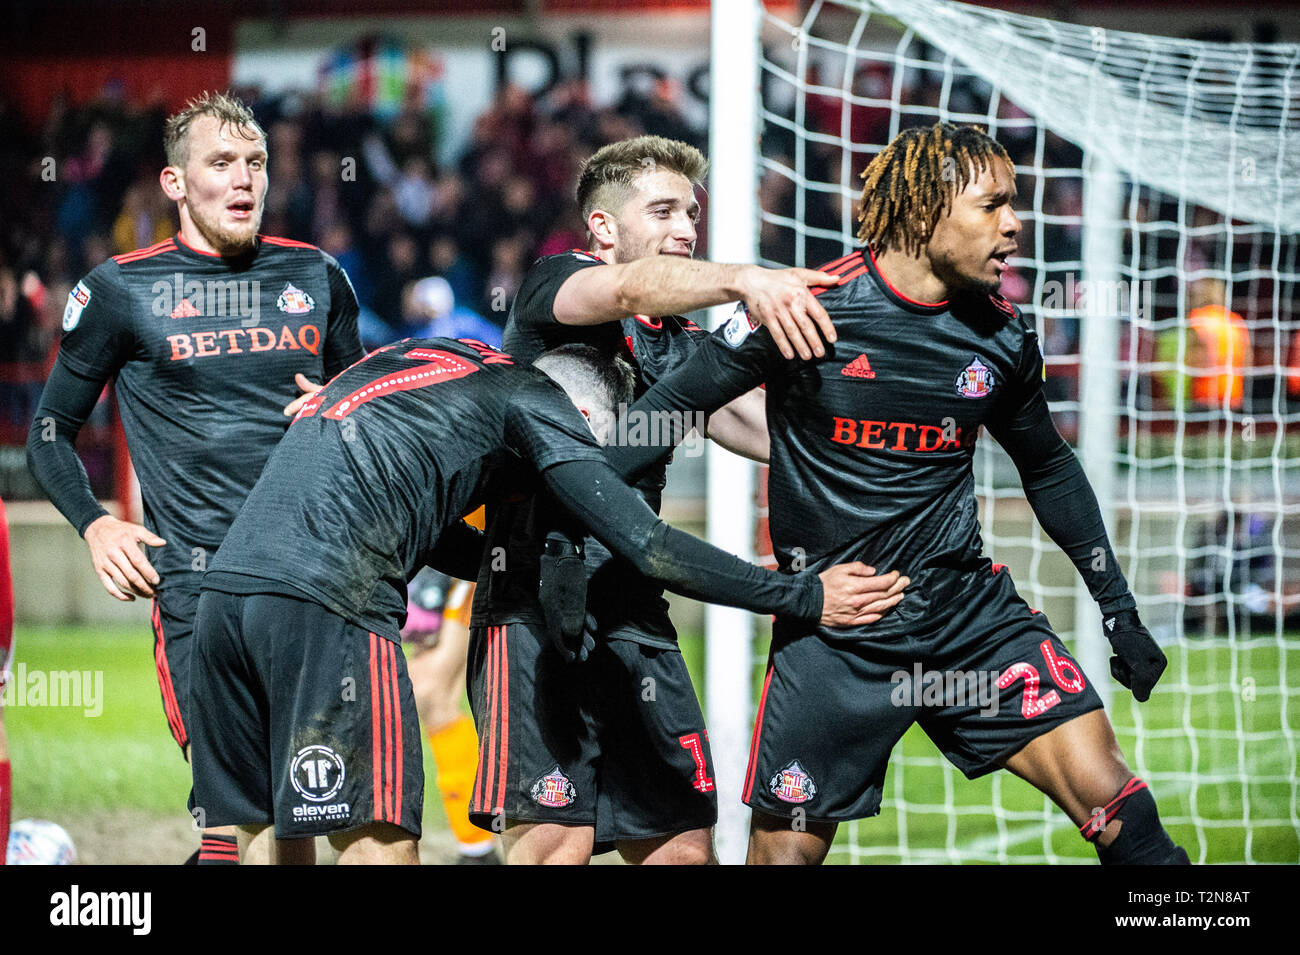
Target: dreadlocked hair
pixel 911 184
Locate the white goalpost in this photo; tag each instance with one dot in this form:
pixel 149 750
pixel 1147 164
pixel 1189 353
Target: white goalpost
pixel 1159 190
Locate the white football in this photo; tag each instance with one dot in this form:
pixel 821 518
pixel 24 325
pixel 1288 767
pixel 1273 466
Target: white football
pixel 39 842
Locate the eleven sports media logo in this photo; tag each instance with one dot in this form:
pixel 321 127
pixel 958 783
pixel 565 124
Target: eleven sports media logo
pixel 317 774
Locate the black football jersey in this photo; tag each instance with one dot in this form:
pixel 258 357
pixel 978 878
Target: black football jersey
pixel 872 446
pixel 205 350
pixel 622 602
pixel 378 464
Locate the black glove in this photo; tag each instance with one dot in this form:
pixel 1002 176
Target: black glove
pixel 562 590
pixel 1138 662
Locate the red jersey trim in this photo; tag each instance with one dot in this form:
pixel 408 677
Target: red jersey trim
pixel 847 268
pixel 166 245
pixel 288 243
pixel 838 264
pixel 845 278
pixel 890 285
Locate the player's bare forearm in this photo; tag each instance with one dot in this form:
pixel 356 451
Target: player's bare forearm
pixel 780 299
pixel 654 285
pixel 740 426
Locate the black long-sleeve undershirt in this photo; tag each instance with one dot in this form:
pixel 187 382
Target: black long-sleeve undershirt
pixel 1058 491
pixel 66 403
pixel 621 520
pixel 458 551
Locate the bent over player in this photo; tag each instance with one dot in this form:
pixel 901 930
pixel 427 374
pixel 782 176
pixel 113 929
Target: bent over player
pixel 304 713
pixel 872 450
pixel 206 332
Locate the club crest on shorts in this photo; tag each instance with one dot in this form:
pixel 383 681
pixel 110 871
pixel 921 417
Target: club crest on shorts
pixel 554 790
pixel 792 784
pixel 975 380
pixel 294 301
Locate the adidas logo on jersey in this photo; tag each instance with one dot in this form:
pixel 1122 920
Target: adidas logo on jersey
pixel 858 368
pixel 185 309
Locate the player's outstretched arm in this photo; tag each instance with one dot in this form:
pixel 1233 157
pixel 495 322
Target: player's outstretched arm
pixel 780 299
pixel 715 376
pixel 115 552
pixel 617 516
pixel 1064 503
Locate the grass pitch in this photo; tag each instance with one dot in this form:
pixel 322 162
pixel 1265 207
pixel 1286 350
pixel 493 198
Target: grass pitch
pixel 1217 742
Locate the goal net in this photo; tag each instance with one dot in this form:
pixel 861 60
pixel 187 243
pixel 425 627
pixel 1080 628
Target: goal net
pixel 1159 190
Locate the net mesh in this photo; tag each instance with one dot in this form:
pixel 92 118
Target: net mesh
pixel 1193 149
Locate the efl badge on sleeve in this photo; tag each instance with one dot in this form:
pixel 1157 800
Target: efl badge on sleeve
pixel 78 299
pixel 976 380
pixel 554 790
pixel 294 301
pixel 739 327
pixel 792 784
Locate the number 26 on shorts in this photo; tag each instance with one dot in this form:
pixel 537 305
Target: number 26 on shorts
pixel 1064 672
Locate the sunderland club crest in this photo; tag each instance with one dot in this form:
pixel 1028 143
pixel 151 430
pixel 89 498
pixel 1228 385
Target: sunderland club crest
pixel 792 784
pixel 554 790
pixel 975 380
pixel 294 301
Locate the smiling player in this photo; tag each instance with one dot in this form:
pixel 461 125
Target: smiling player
pixel 625 296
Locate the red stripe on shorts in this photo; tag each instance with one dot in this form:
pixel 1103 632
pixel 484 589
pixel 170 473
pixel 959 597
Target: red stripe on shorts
pixel 758 732
pixel 376 761
pixel 171 707
pixel 397 736
pixel 386 661
pixel 504 656
pixel 489 777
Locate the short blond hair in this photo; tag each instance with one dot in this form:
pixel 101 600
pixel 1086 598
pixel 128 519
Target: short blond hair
pixel 228 110
pixel 607 177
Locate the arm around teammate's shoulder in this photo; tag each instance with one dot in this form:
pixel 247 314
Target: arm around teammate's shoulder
pixel 781 299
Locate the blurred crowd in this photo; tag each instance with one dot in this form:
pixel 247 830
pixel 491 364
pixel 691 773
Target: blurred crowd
pixel 430 248
pixel 441 248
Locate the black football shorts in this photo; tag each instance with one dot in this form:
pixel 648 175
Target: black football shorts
pixel 983 682
pixel 301 719
pixel 616 742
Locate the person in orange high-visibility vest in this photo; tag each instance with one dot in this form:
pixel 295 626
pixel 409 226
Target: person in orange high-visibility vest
pixel 1217 353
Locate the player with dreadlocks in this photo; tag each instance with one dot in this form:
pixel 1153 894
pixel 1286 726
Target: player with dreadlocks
pixel 871 459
